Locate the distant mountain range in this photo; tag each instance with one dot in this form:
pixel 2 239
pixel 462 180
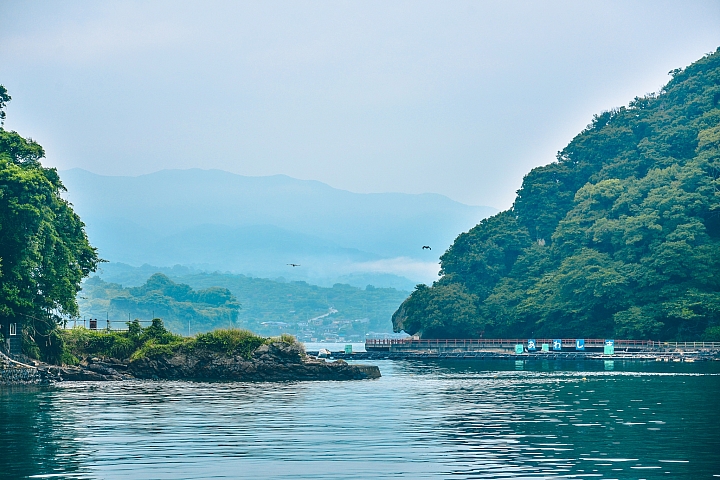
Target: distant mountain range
pixel 214 220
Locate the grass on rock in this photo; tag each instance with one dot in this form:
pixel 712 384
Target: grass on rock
pixel 156 340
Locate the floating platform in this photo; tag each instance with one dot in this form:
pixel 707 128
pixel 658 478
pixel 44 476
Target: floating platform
pixel 531 349
pixel 557 356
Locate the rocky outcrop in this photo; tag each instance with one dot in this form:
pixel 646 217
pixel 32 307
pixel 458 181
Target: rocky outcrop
pixel 274 362
pixel 277 361
pixel 95 369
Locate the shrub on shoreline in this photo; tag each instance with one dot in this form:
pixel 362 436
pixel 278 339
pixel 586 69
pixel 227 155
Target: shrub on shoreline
pixel 138 342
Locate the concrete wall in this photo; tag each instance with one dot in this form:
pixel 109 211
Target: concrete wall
pixel 13 376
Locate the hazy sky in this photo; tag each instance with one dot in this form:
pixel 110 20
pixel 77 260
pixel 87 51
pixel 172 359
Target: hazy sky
pixel 458 98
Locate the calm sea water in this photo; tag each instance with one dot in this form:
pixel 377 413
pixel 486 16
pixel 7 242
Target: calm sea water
pixel 421 420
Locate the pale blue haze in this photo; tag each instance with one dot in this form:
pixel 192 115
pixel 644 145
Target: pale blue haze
pixel 214 220
pixel 458 98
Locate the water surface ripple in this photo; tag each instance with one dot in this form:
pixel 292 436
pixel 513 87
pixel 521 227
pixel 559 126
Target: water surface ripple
pixel 421 420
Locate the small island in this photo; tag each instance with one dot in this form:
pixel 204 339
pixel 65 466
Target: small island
pixel 158 354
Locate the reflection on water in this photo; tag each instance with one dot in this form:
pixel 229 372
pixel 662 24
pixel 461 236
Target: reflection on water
pixel 31 440
pixel 421 420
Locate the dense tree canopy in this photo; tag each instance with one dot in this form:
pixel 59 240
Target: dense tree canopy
pixel 177 304
pixel 619 237
pixel 44 252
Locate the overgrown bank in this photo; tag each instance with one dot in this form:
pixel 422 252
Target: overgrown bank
pixel 230 354
pixel 138 342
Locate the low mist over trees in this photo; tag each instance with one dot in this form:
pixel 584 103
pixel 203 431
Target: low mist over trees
pixel 620 237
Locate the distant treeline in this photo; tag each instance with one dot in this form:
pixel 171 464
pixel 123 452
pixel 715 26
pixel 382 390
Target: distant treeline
pixel 214 300
pixel 620 237
pixel 181 307
pixel 266 300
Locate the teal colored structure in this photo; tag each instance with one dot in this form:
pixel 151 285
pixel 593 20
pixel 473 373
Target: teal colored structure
pixel 348 348
pixel 519 348
pixel 545 347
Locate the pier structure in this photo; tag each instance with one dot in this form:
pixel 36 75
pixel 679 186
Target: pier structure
pixel 504 345
pixel 531 349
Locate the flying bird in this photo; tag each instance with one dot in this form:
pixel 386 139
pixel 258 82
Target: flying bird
pixel 426 247
pixel 294 264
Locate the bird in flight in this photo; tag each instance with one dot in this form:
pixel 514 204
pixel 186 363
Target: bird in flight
pixel 426 247
pixel 294 264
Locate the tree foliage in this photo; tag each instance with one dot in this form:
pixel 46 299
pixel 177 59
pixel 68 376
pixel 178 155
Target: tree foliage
pixel 266 300
pixel 44 252
pixel 619 237
pixel 176 303
pixel 139 342
pixel 4 98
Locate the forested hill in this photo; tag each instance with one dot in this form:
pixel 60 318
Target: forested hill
pixel 204 301
pixel 620 237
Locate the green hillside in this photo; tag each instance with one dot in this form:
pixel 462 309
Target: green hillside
pixel 177 304
pixel 204 301
pixel 352 311
pixel 619 237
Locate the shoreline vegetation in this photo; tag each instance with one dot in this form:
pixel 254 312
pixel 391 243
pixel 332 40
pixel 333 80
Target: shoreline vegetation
pixel 220 355
pixel 137 342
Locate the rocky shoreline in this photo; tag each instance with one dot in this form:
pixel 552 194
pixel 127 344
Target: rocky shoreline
pixel 14 373
pixel 273 362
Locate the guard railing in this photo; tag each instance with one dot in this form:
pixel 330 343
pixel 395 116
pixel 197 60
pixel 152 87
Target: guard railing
pixel 511 342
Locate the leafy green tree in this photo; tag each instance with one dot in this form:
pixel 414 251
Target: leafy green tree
pixel 481 257
pixel 446 311
pixel 44 252
pixel 4 98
